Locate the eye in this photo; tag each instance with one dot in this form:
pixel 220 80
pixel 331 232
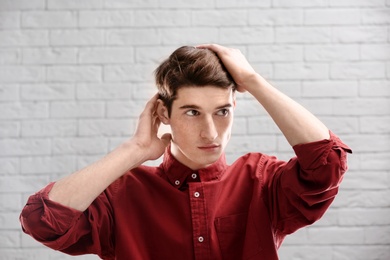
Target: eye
pixel 192 112
pixel 223 112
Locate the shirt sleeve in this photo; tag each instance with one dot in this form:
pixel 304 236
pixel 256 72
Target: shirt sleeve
pixel 69 230
pixel 300 191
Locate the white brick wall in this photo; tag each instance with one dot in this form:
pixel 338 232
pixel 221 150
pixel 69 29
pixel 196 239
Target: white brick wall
pixel 75 74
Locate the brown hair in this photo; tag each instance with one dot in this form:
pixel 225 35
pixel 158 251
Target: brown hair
pixel 189 66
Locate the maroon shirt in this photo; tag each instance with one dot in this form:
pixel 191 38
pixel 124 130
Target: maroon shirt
pixel 242 211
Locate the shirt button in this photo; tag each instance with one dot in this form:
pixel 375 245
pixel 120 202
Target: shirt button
pixel 200 239
pixel 196 194
pixel 194 176
pixel 177 182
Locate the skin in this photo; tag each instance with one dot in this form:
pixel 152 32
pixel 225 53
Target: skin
pixel 201 122
pixel 199 131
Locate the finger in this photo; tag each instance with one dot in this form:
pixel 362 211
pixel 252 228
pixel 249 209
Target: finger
pixel 212 46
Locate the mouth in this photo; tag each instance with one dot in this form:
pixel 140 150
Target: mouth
pixel 211 147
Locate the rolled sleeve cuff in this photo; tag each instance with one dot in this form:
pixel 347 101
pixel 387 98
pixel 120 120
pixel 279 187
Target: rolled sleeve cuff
pixel 315 154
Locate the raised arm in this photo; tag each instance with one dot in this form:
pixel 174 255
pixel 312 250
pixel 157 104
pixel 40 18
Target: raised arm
pixel 79 189
pixel 296 123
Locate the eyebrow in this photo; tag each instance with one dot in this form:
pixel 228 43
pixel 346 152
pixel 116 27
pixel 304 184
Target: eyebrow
pixel 197 107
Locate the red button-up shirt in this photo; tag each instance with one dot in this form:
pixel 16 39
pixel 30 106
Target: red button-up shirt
pixel 241 211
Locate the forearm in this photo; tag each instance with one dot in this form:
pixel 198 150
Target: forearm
pixel 296 123
pixel 81 188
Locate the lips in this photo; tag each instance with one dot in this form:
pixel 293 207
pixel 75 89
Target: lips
pixel 209 147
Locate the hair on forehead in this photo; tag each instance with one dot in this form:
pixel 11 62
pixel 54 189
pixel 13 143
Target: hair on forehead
pixel 190 66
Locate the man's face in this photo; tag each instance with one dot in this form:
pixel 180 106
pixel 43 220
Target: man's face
pixel 201 122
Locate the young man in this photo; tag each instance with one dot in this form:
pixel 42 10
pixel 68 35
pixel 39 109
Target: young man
pixel 194 205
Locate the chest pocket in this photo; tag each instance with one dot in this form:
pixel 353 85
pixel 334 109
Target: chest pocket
pixel 231 235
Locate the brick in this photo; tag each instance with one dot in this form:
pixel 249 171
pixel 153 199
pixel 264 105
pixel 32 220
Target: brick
pixel 266 69
pixel 375 124
pixel 19 110
pixel 272 17
pixel 300 238
pixel 189 36
pixel 9 92
pixel 116 109
pixel 375 52
pixel 299 3
pixel 9 56
pixel 54 91
pixel 361 34
pixel 143 91
pixel 162 18
pixel 49 128
pixel 152 54
pixel 369 143
pixel 134 73
pixel 376 16
pixel 23 38
pixel 330 88
pixel 358 70
pixel 106 127
pixel 9 165
pixel 336 235
pixel 72 109
pixel 218 17
pixel 346 16
pixel 18 147
pixel 9 20
pixel 22 4
pixel 375 161
pixel 377 235
pixel 9 220
pixel 74 4
pixel 21 74
pixel 74 73
pixel 9 129
pixel 364 217
pixel 242 3
pixel 303 34
pixel 107 19
pixel 317 106
pixel 10 202
pixel 85 37
pixel 246 35
pixel 104 55
pixel 248 108
pixel 79 145
pixel 261 125
pixel 49 56
pixel 291 88
pixel 104 91
pixel 48 164
pixel 334 52
pixel 366 3
pixel 137 36
pixel 366 181
pixel 19 184
pixel 341 124
pixel 374 88
pixel 299 70
pixel 305 252
pixel 10 239
pixel 275 53
pixel 360 252
pixel 119 4
pixel 46 19
pixel 240 126
pixel 245 144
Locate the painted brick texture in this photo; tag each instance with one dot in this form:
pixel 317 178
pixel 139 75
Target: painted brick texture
pixel 74 75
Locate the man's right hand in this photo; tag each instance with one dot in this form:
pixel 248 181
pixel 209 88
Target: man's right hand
pixel 145 136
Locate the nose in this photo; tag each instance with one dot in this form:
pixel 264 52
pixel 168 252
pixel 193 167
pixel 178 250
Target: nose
pixel 208 129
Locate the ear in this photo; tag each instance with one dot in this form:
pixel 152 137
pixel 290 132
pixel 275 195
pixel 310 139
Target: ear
pixel 162 112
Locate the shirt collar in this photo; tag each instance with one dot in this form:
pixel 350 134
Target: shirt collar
pixel 179 174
